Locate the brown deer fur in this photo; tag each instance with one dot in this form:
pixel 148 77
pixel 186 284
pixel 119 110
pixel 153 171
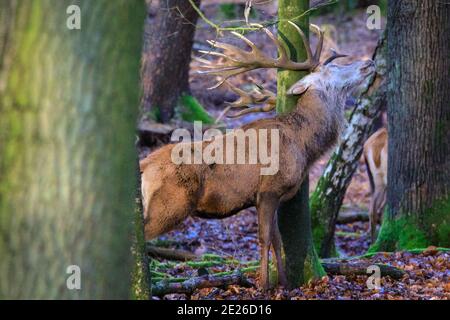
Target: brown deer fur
pixel 375 155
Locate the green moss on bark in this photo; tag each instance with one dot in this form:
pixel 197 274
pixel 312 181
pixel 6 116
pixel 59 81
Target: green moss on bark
pixel 302 263
pixel 407 232
pixel 318 218
pixel 191 110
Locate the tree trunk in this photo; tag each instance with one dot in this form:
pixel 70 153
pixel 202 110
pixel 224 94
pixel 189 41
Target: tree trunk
pixel 141 281
pixel 68 105
pixel 302 263
pixel 419 120
pixel 167 53
pixel 327 198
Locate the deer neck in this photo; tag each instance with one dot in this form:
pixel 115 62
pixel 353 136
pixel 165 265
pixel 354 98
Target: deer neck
pixel 317 122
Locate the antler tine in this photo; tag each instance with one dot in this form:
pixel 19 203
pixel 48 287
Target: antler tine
pixel 282 53
pixel 320 34
pixel 305 41
pixel 260 95
pixel 225 75
pixel 246 99
pixel 264 108
pixel 334 55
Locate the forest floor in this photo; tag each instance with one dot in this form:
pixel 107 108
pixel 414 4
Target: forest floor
pixel 427 274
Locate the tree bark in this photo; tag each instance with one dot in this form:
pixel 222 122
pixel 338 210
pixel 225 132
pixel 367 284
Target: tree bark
pixel 302 263
pixel 167 53
pixel 141 280
pixel 68 103
pixel 327 198
pixel 418 201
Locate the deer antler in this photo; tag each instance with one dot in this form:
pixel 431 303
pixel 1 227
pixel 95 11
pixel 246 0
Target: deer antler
pixel 334 55
pixel 258 95
pixel 237 60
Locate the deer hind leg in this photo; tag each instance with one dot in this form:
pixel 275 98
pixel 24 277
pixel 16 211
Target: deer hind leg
pixel 380 203
pixel 266 206
pixel 276 247
pixel 376 211
pixel 373 219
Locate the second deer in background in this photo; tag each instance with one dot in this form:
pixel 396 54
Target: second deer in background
pixel 375 156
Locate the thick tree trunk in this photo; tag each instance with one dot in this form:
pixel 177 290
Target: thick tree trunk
pixel 418 212
pixel 68 103
pixel 327 198
pixel 167 53
pixel 302 263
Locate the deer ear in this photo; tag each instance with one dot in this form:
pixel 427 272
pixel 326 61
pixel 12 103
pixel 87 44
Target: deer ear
pixel 298 89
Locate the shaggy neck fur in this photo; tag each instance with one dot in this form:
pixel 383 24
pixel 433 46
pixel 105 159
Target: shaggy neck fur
pixel 318 121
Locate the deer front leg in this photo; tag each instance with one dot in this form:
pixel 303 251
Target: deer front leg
pixel 266 206
pixel 276 246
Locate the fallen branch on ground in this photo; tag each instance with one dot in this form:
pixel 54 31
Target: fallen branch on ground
pixel 170 254
pixel 355 269
pixel 348 234
pixel 349 217
pixel 189 286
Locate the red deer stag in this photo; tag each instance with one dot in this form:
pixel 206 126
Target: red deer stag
pixel 375 156
pixel 172 192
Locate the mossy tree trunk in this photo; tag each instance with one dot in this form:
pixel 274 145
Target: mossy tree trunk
pixel 302 263
pixel 68 103
pixel 329 194
pixel 169 37
pixel 418 201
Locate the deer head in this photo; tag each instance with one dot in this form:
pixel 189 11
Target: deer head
pixel 341 78
pixel 338 81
